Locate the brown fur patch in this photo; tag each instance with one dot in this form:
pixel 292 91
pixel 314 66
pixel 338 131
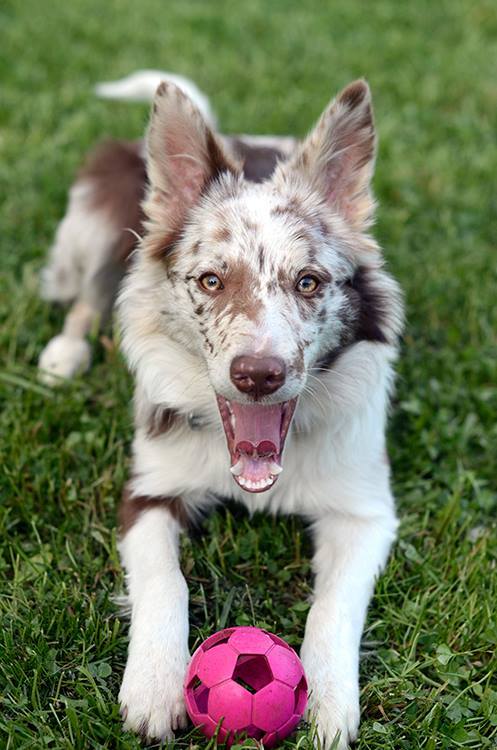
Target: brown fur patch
pixel 162 420
pixel 323 228
pixel 272 286
pixel 365 317
pixel 116 171
pixel 206 338
pixel 306 306
pixel 353 94
pixel 222 234
pixel 132 507
pixel 305 222
pixel 298 362
pixel 238 296
pixel 249 225
pixel 281 210
pixel 161 247
pixel 261 257
pixel 282 277
pixel 293 206
pixel 371 306
pixel 259 162
pixel 219 161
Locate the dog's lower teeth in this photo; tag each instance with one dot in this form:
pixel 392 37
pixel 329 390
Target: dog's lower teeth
pixel 253 485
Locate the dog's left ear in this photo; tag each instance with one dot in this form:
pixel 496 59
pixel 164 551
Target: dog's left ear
pixel 337 157
pixel 183 157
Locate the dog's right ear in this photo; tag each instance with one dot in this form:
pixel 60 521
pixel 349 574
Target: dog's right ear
pixel 337 158
pixel 183 157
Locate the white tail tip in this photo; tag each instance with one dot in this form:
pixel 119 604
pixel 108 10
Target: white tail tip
pixel 142 85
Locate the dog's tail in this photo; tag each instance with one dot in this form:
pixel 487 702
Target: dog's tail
pixel 142 85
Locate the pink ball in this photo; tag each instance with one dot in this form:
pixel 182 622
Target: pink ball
pixel 248 681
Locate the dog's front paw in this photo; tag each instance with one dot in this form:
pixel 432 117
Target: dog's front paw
pixel 151 695
pixel 336 721
pixel 333 702
pixel 63 358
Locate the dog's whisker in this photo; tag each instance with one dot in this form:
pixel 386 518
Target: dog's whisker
pixel 135 234
pixel 309 390
pixel 321 383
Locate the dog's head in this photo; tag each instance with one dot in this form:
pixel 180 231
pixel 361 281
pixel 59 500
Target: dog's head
pixel 266 282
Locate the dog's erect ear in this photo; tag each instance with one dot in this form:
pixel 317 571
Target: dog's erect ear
pixel 337 157
pixel 183 156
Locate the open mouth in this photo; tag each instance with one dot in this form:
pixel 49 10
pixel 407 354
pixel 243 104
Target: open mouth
pixel 256 435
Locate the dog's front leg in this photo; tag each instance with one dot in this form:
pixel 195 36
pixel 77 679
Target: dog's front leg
pixel 349 554
pixel 151 694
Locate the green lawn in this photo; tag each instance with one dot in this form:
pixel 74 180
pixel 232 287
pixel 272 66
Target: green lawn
pixel 429 672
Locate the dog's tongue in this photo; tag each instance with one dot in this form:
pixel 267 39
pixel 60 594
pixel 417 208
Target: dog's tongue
pixel 257 425
pixel 257 442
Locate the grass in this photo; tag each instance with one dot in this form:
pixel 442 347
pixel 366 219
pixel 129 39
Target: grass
pixel 429 673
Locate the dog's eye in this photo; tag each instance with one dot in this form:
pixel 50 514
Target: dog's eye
pixel 211 282
pixel 307 284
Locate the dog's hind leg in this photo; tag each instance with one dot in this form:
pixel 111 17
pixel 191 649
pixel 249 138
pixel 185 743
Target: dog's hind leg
pixel 84 269
pixel 62 277
pixel 90 252
pixel 69 353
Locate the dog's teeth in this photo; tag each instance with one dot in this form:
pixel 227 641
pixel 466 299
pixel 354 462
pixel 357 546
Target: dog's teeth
pixel 237 469
pixel 267 482
pixel 249 484
pixel 275 469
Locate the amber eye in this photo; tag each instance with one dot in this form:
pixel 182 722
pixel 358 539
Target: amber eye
pixel 307 284
pixel 211 282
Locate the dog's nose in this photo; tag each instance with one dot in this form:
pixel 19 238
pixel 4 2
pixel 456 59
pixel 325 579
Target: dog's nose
pixel 257 376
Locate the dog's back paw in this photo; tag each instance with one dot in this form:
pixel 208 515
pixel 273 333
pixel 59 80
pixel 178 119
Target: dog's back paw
pixel 63 358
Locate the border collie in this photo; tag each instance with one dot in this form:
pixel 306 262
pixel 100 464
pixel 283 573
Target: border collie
pixel 262 329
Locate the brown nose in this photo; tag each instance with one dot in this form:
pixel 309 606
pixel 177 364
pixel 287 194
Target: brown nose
pixel 257 376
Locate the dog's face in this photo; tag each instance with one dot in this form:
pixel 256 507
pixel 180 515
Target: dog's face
pixel 266 282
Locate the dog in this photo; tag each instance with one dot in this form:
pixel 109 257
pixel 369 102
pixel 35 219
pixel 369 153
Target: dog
pixel 262 330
